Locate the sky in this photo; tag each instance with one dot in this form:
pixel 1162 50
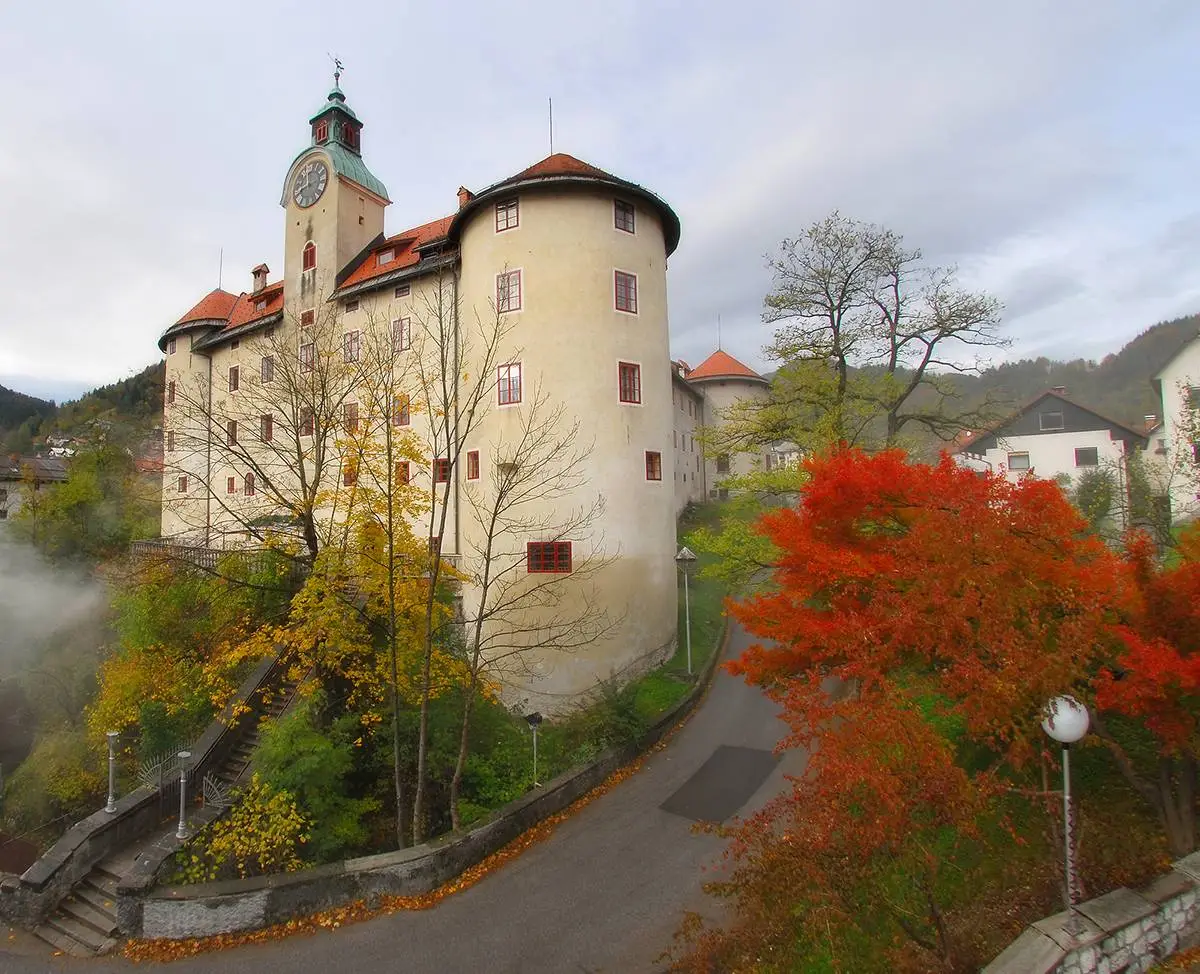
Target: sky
pixel 1049 150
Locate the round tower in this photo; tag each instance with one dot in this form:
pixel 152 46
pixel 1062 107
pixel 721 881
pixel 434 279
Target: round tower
pixel 574 261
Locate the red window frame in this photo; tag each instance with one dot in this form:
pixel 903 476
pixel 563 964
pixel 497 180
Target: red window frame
pixel 624 216
pixel 508 384
pixel 508 297
pixel 249 487
pixel 349 473
pixel 182 485
pixel 171 347
pixel 231 433
pixel 350 417
pixel 402 333
pixel 403 290
pixel 231 485
pixel 322 132
pixel 171 391
pixel 629 382
pixel 307 318
pixel 268 368
pixel 351 346
pixel 508 215
pixel 308 356
pixel 170 441
pixel 235 378
pixel 441 470
pixel 472 465
pixel 401 411
pixel 548 557
pixel 653 465
pixel 266 427
pixel 625 292
pixel 308 422
pixel 402 472
pixel 308 257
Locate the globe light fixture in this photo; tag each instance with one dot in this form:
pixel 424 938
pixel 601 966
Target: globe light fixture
pixel 1065 720
pixel 686 560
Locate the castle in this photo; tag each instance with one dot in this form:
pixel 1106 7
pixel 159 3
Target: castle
pixel 574 259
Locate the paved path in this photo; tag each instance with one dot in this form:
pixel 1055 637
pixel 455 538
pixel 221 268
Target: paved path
pixel 604 893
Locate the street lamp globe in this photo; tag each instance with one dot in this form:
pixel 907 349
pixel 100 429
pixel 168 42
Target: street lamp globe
pixel 1066 720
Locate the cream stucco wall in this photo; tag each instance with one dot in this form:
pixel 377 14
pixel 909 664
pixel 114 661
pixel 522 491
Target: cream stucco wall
pixel 720 393
pixel 569 339
pixel 687 411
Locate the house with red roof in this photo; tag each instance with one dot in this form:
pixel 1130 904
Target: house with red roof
pixel 571 258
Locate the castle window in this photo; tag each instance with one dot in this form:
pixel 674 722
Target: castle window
pixel 402 334
pixel 653 465
pixel 508 215
pixel 723 463
pixel 350 417
pixel 231 485
pixel 508 291
pixel 171 347
pixel 322 130
pixel 307 421
pixel 548 556
pixel 472 465
pixel 231 433
pixel 182 485
pixel 385 256
pixel 234 378
pixel 629 382
pixel 351 346
pixel 441 470
pixel 260 305
pixel 237 341
pixel 400 411
pixel 266 427
pixel 308 357
pixel 351 305
pixel 171 391
pixel 403 290
pixel 308 259
pixel 625 291
pixel 623 216
pixel 307 318
pixel 349 473
pixel 508 384
pixel 170 441
pixel 402 472
pixel 249 485
pixel 350 135
pixel 268 368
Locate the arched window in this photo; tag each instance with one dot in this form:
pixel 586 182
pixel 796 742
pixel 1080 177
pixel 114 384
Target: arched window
pixel 310 256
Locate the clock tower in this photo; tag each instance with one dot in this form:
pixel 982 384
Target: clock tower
pixel 333 206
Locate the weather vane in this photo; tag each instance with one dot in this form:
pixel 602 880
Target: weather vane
pixel 337 70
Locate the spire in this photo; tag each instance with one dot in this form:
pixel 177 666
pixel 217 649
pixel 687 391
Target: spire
pixel 335 121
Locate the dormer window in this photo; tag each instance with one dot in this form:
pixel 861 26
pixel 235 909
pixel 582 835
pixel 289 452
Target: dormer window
pixel 309 258
pixel 260 305
pixel 385 256
pixel 322 131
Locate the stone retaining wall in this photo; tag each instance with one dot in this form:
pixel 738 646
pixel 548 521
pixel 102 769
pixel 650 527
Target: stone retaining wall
pixel 227 907
pixel 1124 932
pixel 28 899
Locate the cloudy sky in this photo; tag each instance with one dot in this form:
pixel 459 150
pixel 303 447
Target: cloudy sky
pixel 1050 148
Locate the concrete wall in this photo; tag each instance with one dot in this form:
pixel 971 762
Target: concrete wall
pixel 1123 932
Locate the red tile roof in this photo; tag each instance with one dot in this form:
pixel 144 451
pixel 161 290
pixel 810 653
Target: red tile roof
pixel 215 304
pixel 559 164
pixel 404 246
pixel 246 309
pixel 722 364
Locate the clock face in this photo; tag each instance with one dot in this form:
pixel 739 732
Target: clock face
pixel 310 183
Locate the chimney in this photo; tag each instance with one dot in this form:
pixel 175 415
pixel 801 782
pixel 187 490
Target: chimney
pixel 260 277
pixel 1060 390
pixel 464 196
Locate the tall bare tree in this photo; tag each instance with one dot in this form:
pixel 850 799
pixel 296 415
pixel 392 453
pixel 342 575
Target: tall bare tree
pixel 515 612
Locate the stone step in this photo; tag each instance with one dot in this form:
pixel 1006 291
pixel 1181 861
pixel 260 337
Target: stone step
pixel 81 933
pixel 102 921
pixel 104 884
pixel 61 942
pixel 99 899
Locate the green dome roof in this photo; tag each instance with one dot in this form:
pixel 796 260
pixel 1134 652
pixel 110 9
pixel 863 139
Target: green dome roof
pixel 336 99
pixel 345 163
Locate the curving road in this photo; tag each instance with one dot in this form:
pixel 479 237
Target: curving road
pixel 604 893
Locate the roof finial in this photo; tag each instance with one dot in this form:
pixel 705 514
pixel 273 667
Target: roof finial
pixel 337 71
pixel 718 331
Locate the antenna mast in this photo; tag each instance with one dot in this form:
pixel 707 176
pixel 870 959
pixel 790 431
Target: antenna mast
pixel 551 101
pixel 220 266
pixel 718 332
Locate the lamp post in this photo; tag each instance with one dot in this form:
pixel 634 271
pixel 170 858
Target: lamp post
pixel 686 560
pixel 111 805
pixel 182 831
pixel 534 720
pixel 1066 721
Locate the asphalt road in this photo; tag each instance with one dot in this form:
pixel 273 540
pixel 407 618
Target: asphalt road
pixel 604 893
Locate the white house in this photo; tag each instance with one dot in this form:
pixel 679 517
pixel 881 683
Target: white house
pixel 1175 444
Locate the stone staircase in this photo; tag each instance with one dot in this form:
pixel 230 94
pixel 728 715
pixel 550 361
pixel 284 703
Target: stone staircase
pixel 85 922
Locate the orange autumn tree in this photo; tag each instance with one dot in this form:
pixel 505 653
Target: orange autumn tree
pixel 1155 681
pixel 990 590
